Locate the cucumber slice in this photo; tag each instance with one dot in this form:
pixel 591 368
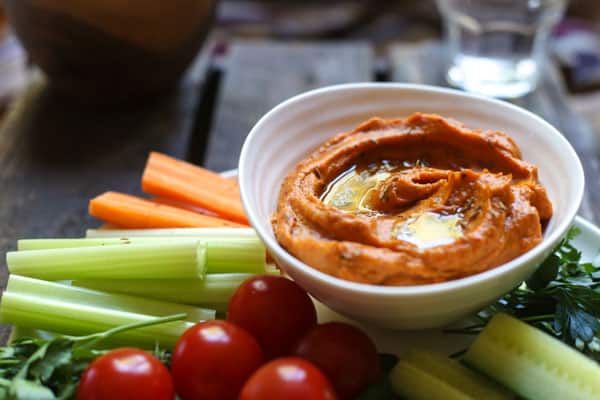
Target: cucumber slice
pixel 532 363
pixel 429 376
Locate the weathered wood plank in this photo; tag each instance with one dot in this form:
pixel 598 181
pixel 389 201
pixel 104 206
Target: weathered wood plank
pixel 259 75
pixel 417 63
pixel 56 154
pixel 424 63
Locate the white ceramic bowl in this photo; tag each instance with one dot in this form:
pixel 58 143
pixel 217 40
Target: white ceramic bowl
pixel 290 131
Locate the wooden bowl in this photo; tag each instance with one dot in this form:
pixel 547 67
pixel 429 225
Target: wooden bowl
pixel 111 49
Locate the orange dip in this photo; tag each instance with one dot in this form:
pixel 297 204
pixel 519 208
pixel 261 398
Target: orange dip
pixel 411 201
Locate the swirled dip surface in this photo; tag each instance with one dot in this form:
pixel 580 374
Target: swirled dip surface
pixel 411 201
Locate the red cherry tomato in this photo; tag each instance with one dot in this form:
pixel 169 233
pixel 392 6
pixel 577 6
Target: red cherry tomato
pixel 288 379
pixel 273 309
pixel 345 354
pixel 126 374
pixel 212 360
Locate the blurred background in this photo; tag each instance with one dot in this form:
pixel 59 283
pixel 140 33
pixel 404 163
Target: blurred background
pixel 379 22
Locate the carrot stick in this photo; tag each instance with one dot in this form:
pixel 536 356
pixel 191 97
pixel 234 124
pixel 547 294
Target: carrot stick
pixel 168 177
pixel 185 206
pixel 135 213
pixel 109 226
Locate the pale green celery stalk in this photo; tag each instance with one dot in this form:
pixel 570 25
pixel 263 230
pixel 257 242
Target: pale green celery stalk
pixel 197 233
pixel 223 255
pixel 271 269
pixel 213 289
pixel 69 318
pixel 218 307
pixel 46 244
pixel 174 260
pixel 102 299
pixel 226 256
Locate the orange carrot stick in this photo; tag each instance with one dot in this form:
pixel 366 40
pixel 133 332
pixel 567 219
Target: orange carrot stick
pixel 135 213
pixel 185 206
pixel 168 177
pixel 109 226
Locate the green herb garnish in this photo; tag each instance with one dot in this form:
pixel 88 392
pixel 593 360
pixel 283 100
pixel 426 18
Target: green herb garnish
pixel 561 298
pixel 39 369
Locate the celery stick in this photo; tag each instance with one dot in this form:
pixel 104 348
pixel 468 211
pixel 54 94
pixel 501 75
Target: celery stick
pixel 214 288
pixel 180 260
pixel 218 307
pixel 226 256
pixel 197 233
pixel 532 363
pixel 70 318
pixel 95 298
pixel 222 255
pixel 46 244
pixel 271 269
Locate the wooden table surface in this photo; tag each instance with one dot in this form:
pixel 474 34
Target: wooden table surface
pixel 56 154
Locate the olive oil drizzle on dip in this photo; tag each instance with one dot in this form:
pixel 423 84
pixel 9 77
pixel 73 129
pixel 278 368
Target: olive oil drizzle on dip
pixel 352 191
pixel 429 229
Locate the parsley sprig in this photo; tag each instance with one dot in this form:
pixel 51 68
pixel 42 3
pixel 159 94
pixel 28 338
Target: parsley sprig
pixel 562 298
pixel 40 369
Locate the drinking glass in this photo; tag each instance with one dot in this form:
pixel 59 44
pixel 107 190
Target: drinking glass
pixel 495 47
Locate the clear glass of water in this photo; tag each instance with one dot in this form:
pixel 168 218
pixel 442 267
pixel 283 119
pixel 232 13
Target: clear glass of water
pixel 495 47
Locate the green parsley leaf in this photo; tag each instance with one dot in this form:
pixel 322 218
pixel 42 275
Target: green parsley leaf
pixel 546 273
pixel 58 353
pixel 562 298
pixel 22 389
pixel 39 369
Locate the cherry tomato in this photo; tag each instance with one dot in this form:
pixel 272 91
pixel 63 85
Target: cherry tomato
pixel 212 360
pixel 273 309
pixel 289 378
pixel 345 354
pixel 126 374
